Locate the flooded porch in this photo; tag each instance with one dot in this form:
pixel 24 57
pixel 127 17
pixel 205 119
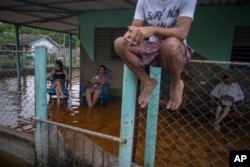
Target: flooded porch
pixel 188 139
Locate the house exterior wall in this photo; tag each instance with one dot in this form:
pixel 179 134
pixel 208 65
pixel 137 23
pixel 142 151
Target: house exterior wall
pixel 211 34
pixel 51 48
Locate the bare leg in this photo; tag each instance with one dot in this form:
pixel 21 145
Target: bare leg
pixel 89 92
pixel 224 114
pixel 217 115
pixel 218 111
pixel 129 55
pixel 172 52
pixel 221 117
pixel 59 87
pixel 57 95
pixel 96 95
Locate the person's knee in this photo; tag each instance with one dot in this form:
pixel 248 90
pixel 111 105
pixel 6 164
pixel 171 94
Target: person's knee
pixel 219 108
pixel 97 92
pixel 119 45
pixel 172 46
pixel 88 91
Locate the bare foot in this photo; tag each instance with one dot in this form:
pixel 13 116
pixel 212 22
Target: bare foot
pixel 217 125
pixel 146 93
pixel 63 96
pixel 175 96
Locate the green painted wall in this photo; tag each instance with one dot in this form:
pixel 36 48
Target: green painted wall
pixel 94 19
pixel 211 33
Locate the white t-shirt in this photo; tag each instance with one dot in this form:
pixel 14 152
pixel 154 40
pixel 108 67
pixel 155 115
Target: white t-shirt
pixel 233 90
pixel 164 13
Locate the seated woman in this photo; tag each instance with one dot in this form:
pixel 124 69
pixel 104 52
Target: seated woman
pixel 98 81
pixel 59 76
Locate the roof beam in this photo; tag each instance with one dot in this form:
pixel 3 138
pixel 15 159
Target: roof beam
pixel 43 5
pixel 44 20
pixel 32 11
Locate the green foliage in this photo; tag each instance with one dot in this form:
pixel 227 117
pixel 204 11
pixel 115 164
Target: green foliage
pixel 7 63
pixel 7 33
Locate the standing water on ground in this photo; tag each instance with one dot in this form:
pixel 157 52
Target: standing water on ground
pixel 17 100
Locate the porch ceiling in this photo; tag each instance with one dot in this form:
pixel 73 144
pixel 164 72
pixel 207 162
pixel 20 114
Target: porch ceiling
pixel 63 15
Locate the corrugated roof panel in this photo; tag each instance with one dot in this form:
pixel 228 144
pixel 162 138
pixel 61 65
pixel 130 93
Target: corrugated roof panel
pixel 14 17
pixel 62 15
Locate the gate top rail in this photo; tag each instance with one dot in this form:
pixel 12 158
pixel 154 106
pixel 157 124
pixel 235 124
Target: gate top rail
pixel 85 131
pixel 219 62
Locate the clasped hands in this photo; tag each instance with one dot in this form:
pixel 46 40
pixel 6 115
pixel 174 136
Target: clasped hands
pixel 135 35
pixel 99 81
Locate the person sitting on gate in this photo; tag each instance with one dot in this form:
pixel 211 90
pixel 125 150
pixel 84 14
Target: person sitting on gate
pixel 161 43
pixel 59 76
pixel 227 93
pixel 98 81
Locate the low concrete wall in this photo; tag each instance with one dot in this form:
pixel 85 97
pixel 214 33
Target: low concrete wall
pixel 19 144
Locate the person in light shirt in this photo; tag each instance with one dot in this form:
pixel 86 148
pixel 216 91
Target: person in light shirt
pixel 99 80
pixel 228 93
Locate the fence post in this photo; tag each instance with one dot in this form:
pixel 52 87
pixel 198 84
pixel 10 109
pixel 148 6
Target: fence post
pixel 18 64
pixel 152 120
pixel 41 135
pixel 127 117
pixel 70 55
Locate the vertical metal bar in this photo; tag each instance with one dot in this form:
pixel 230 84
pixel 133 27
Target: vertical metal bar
pixel 64 49
pixel 70 54
pixel 83 157
pixel 64 149
pixel 93 154
pixel 49 144
pixel 18 64
pixel 74 150
pixel 152 119
pixel 57 147
pixel 103 152
pixel 127 117
pixel 41 137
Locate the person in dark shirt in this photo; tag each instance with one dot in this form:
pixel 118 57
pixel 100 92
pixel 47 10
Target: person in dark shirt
pixel 59 76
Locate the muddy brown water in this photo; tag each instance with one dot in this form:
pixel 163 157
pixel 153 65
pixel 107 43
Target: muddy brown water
pixel 17 101
pixel 180 145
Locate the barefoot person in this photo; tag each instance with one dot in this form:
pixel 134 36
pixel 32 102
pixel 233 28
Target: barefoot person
pixel 162 43
pixel 98 81
pixel 59 76
pixel 228 94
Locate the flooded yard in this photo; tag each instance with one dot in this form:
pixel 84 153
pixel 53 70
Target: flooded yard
pixel 185 140
pixel 17 101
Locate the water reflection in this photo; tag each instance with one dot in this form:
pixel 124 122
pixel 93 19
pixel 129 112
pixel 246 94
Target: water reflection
pixel 17 101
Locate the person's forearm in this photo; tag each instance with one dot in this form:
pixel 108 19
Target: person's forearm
pixel 93 81
pixel 170 32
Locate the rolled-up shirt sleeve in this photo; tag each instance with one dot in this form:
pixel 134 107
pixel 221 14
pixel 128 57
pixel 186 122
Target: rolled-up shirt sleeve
pixel 188 9
pixel 216 92
pixel 139 11
pixel 238 94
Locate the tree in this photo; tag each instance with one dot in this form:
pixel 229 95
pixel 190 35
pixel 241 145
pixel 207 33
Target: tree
pixel 7 34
